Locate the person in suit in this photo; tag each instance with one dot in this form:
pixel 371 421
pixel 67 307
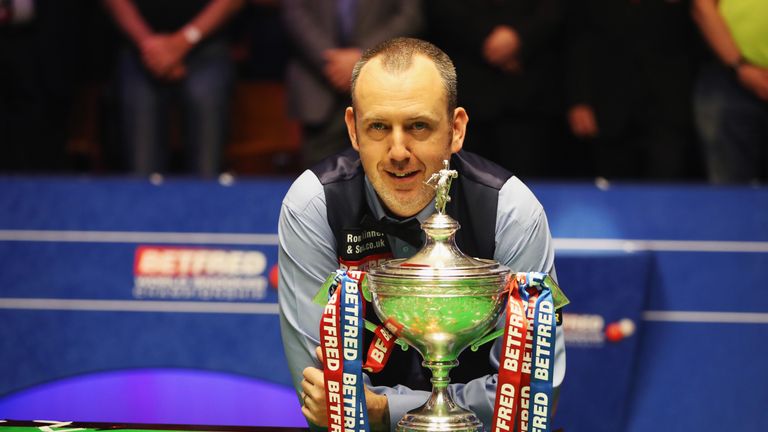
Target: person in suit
pixel 629 76
pixel 329 37
pixel 506 56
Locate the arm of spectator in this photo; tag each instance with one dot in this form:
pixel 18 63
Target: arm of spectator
pixel 129 20
pixel 166 52
pixel 339 63
pixel 310 38
pixel 715 31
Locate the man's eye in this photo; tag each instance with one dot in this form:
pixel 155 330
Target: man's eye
pixel 419 126
pixel 378 126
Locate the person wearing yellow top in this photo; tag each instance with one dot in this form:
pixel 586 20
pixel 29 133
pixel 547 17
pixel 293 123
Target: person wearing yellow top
pixel 731 96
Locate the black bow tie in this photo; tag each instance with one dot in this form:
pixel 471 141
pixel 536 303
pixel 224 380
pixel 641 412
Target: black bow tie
pixel 409 231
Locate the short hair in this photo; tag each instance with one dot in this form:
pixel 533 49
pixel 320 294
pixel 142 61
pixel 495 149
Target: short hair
pixel 397 56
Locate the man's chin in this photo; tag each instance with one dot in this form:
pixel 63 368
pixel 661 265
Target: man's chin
pixel 407 206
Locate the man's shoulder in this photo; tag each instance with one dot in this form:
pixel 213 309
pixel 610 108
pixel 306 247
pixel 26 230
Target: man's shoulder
pixel 342 166
pixel 518 204
pixel 476 169
pixel 305 191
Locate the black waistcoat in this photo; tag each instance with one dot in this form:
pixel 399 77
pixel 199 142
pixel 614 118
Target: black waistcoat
pixel 474 198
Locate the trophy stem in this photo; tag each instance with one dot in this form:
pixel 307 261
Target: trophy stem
pixel 440 413
pixel 440 372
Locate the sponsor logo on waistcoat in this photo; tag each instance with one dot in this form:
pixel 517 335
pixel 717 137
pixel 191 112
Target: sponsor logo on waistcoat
pixel 362 249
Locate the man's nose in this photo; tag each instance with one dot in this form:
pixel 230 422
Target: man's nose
pixel 398 148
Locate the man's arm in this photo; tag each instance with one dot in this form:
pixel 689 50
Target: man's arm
pixel 163 53
pixel 307 257
pixel 309 35
pixel 715 31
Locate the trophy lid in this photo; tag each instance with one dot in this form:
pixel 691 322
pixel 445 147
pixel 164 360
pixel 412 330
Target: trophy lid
pixel 440 258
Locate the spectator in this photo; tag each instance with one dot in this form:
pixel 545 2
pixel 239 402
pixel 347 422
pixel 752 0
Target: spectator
pixel 329 37
pixel 731 96
pixel 175 52
pixel 507 60
pixel 629 81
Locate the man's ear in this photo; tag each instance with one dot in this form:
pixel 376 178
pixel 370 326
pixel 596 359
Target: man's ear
pixel 460 120
pixel 349 119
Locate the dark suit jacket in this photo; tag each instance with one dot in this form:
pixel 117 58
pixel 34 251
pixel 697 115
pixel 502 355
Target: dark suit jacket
pixel 460 27
pixel 313 24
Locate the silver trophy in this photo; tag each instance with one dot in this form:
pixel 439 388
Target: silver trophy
pixel 440 301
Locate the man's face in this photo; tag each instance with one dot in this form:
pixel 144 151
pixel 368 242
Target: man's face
pixel 403 132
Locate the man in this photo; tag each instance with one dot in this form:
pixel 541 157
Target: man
pixel 402 124
pixel 731 96
pixel 175 52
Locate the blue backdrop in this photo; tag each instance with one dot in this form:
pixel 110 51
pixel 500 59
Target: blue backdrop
pixel 666 330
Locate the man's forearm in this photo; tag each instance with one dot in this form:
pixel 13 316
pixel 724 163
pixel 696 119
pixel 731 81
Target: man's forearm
pixel 715 31
pixel 129 20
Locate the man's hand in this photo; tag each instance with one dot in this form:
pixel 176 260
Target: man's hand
pixel 163 55
pixel 339 63
pixel 313 396
pixel 501 47
pixel 755 79
pixel 581 118
pixel 314 402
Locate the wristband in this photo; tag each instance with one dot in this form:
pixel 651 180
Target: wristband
pixel 192 34
pixel 741 61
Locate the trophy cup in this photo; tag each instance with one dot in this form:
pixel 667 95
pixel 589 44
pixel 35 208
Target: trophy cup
pixel 439 301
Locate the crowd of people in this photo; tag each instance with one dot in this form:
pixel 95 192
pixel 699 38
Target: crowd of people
pixel 660 90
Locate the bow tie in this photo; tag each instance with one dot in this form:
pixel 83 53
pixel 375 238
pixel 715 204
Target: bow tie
pixel 409 231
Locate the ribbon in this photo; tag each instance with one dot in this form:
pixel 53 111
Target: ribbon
pixel 524 387
pixel 341 330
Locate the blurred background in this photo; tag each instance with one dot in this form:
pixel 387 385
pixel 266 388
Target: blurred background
pixel 146 145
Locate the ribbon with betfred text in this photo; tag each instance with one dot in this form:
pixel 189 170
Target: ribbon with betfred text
pixel 524 387
pixel 341 331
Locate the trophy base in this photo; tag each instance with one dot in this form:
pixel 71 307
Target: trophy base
pixel 439 414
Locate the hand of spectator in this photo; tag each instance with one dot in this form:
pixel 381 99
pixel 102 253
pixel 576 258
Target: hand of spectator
pixel 581 119
pixel 163 55
pixel 755 79
pixel 502 45
pixel 339 63
pixel 314 402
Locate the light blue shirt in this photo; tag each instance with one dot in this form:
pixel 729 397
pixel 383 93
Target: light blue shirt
pixel 307 255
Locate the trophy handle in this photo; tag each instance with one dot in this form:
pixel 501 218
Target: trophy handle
pixel 491 335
